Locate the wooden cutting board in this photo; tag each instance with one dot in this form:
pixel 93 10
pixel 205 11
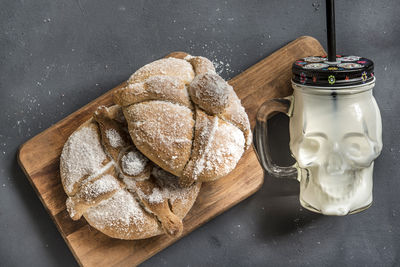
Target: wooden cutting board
pixel 39 158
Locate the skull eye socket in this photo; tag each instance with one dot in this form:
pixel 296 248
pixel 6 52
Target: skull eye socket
pixel 354 149
pixel 358 148
pixel 308 150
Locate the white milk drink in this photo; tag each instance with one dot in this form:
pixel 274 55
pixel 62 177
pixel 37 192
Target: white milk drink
pixel 335 133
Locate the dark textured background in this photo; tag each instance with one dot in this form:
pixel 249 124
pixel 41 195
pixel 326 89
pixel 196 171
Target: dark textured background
pixel 55 56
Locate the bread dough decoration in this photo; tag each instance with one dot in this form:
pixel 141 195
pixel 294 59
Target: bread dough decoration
pixel 115 187
pixel 185 118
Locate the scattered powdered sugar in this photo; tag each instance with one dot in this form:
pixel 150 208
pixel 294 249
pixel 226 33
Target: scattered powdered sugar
pixel 114 138
pixel 106 183
pixel 82 155
pixel 220 53
pixel 133 163
pixel 121 209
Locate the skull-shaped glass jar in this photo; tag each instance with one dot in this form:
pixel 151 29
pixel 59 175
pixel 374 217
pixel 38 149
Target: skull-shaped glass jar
pixel 335 133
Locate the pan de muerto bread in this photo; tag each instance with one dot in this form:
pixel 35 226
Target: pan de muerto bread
pixel 185 118
pixel 117 189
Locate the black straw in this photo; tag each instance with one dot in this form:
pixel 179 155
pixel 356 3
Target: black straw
pixel 330 29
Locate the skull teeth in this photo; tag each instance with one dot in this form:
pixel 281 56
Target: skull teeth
pixel 342 192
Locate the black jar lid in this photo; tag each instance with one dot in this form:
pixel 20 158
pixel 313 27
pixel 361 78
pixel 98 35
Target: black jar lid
pixel 346 71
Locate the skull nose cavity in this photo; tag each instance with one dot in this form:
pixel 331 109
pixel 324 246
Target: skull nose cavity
pixel 335 164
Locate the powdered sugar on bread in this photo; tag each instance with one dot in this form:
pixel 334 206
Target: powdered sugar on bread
pixel 121 209
pixel 150 117
pixel 170 184
pixel 82 156
pixel 166 66
pixel 103 185
pixel 114 138
pixel 106 196
pixel 215 151
pixel 167 188
pixel 133 163
pixel 163 131
pixel 210 92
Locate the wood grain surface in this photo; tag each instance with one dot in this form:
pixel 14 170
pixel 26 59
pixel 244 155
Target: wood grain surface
pixel 39 158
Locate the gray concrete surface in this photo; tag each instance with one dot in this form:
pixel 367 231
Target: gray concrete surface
pixel 56 56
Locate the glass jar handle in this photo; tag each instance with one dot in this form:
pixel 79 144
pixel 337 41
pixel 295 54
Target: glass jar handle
pixel 265 112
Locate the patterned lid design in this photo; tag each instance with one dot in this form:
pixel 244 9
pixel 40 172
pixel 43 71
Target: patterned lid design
pixel 346 71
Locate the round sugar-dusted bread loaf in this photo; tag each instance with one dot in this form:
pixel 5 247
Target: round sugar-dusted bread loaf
pixel 115 187
pixel 184 117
